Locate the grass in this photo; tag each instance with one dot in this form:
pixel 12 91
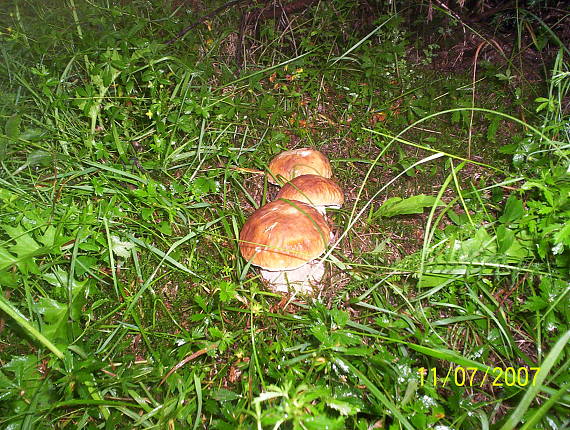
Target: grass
pixel 124 300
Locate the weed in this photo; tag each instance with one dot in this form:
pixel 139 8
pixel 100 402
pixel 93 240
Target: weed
pixel 125 179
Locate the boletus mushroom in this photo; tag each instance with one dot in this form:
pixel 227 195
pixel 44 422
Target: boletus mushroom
pixel 297 162
pixel 319 192
pixel 284 238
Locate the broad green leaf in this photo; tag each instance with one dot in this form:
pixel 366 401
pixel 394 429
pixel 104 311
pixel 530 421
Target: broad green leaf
pixel 13 312
pixel 165 228
pixel 322 421
pixel 505 238
pixel 320 332
pixel 535 303
pixel 412 205
pixel 223 395
pixel 513 210
pixel 39 157
pixel 25 244
pixel 121 248
pixel 52 310
pixel 227 291
pixel 340 317
pixel 344 408
pixel 6 259
pixel 13 127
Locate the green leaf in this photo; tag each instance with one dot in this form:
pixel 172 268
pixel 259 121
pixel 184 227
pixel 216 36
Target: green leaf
pixel 25 244
pixel 33 332
pixel 39 158
pixel 215 332
pixel 341 338
pixel 344 408
pixel 203 185
pixel 340 317
pixel 563 235
pixel 320 332
pixel 514 210
pixel 505 238
pixel 25 249
pixel 492 129
pixel 165 228
pixel 121 248
pixel 6 259
pixel 377 393
pixel 227 291
pixel 223 395
pixel 412 205
pixel 13 127
pixel 535 303
pixel 52 310
pixel 322 421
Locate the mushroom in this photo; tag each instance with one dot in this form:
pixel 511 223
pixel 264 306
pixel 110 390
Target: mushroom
pixel 284 238
pixel 303 161
pixel 319 192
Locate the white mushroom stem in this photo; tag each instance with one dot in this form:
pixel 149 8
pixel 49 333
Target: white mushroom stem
pixel 300 280
pixel 323 209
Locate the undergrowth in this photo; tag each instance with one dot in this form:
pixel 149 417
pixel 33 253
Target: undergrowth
pixel 126 177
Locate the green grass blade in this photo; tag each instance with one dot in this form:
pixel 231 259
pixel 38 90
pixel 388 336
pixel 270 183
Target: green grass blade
pixel 533 391
pixel 537 416
pixel 23 322
pixel 198 386
pixel 377 393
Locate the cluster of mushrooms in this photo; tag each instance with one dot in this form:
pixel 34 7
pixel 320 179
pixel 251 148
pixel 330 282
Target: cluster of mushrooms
pixel 286 237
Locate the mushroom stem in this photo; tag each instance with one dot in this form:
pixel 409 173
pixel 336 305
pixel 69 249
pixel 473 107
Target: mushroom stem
pixel 300 280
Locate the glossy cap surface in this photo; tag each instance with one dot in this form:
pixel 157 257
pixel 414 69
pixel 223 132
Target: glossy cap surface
pixel 304 161
pixel 314 190
pixel 284 235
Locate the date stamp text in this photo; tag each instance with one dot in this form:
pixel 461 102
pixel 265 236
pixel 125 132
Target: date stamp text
pixel 473 377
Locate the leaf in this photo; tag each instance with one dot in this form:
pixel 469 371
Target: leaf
pixel 535 303
pixel 25 249
pixel 24 242
pixel 344 408
pixel 121 248
pixel 39 157
pixel 59 278
pixel 505 238
pixel 48 238
pixel 203 185
pixel 563 236
pixel 412 205
pixel 223 395
pixel 165 228
pixel 52 310
pixel 341 338
pixel 514 210
pixel 13 127
pixel 227 291
pixel 6 259
pixel 340 317
pixel 32 331
pixel 492 129
pixel 216 333
pixel 320 332
pixel 322 421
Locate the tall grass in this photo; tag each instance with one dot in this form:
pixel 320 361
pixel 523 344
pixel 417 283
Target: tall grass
pixel 125 303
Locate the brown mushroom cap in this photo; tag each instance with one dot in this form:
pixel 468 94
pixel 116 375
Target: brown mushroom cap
pixel 304 161
pixel 314 190
pixel 284 235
